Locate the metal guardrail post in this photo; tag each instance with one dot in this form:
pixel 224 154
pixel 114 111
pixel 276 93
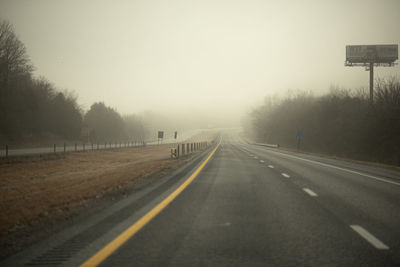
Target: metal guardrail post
pixel 54 148
pixel 65 147
pixel 6 151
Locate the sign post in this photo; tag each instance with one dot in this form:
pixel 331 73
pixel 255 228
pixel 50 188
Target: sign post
pixel 160 136
pixel 299 137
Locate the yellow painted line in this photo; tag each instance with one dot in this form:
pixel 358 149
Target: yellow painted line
pixel 106 251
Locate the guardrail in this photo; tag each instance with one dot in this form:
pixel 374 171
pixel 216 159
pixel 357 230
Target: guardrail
pixel 187 148
pixel 268 145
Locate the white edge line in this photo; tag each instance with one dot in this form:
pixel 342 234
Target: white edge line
pixel 339 168
pixel 369 237
pixel 310 192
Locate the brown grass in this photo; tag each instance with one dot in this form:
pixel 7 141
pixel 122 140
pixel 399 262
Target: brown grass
pixel 37 189
pixel 30 190
pixel 41 195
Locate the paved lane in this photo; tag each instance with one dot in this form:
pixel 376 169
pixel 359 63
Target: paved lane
pixel 249 206
pixel 241 212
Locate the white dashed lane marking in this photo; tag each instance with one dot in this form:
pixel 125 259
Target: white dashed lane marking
pixel 270 166
pixel 310 192
pixel 338 168
pixel 261 161
pixel 285 175
pixel 369 237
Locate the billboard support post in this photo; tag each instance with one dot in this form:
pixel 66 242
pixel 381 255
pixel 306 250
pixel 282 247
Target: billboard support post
pixel 371 82
pixel 369 56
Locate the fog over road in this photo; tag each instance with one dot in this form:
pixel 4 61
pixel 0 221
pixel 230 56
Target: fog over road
pixel 249 206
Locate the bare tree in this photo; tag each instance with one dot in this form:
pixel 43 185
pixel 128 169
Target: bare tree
pixel 14 61
pixel 342 123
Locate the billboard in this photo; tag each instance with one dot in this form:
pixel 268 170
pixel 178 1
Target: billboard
pixel 371 53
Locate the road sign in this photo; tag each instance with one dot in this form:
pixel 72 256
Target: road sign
pixel 299 135
pixel 176 134
pixel 160 134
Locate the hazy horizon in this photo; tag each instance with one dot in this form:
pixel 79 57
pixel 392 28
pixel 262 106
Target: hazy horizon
pixel 205 57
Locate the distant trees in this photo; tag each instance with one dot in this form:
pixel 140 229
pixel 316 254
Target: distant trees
pixel 341 123
pixel 32 107
pixel 134 128
pixel 14 61
pixel 29 106
pixel 106 123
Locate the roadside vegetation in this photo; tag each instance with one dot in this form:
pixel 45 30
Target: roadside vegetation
pixel 33 108
pixel 341 123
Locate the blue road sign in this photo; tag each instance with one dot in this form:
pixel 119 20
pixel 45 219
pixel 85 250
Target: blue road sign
pixel 299 135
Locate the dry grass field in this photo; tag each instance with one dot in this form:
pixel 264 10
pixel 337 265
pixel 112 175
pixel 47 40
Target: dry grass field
pixel 36 189
pixel 32 189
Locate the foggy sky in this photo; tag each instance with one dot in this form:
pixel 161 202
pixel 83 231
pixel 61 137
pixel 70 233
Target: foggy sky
pixel 201 55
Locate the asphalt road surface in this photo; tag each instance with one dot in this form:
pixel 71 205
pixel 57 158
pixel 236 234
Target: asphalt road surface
pixel 248 206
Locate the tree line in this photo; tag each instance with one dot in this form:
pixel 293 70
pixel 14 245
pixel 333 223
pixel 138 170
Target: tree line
pixel 32 108
pixel 342 123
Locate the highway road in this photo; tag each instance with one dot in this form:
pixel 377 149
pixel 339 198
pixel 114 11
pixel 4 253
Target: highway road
pixel 242 205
